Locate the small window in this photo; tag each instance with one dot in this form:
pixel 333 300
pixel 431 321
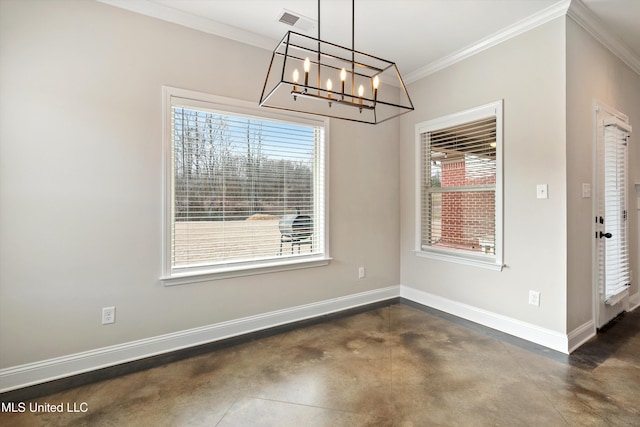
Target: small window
pixel 460 179
pixel 244 191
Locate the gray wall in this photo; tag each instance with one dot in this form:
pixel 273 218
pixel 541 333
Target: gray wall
pixel 528 72
pixel 593 72
pixel 81 174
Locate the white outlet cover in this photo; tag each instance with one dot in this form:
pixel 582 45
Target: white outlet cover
pixel 534 298
pixel 108 315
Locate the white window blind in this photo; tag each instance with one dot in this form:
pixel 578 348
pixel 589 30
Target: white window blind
pixel 617 274
pixel 459 187
pixel 245 190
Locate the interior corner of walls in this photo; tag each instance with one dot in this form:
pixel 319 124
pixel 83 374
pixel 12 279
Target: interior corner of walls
pixel 584 18
pixel 580 335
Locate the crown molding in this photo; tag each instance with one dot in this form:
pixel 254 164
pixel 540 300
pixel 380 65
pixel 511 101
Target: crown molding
pixel 574 9
pixel 175 16
pixel 185 19
pixel 548 14
pixel 582 16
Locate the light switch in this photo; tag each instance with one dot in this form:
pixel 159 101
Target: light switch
pixel 543 191
pixel 586 191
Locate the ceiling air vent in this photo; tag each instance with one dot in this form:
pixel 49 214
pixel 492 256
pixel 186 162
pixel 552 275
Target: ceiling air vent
pixel 289 19
pixel 296 20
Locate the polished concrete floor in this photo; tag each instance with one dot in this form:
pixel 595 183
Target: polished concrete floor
pixel 392 366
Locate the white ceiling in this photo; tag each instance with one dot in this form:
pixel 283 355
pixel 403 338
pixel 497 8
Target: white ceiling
pixel 412 33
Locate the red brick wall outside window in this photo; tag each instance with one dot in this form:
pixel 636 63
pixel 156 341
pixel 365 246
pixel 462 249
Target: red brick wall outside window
pixel 460 184
pixel 467 217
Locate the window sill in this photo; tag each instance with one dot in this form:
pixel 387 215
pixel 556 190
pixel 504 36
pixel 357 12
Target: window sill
pixel 474 261
pixel 227 272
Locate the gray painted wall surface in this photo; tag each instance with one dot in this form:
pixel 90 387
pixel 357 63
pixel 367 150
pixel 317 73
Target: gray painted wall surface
pixel 528 73
pixel 81 174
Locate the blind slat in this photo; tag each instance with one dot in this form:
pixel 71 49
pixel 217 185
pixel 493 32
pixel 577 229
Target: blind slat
pixel 616 261
pixel 458 187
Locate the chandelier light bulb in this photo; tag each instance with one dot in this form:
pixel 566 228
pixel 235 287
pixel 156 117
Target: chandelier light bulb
pixel 296 76
pixel 376 82
pixel 307 67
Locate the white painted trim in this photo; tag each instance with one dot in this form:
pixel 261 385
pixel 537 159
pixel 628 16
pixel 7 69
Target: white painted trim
pixel 601 106
pixel 582 16
pixel 188 20
pixel 608 121
pixel 496 263
pixel 244 270
pixel 546 15
pixel 38 372
pixel 634 301
pixel 527 331
pixel 581 334
pixel 47 370
pixel 459 257
pixel 575 9
pixel 176 276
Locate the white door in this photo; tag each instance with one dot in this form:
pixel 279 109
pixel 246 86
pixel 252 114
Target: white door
pixel 613 276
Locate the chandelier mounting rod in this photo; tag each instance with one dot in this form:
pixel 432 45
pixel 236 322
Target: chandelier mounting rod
pixel 319 79
pixel 353 46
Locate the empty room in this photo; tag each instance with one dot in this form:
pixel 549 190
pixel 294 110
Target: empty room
pixel 319 212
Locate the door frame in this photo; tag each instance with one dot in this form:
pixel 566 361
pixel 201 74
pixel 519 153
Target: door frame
pixel 609 311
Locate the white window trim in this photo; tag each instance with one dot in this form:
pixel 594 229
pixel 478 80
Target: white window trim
pixel 231 105
pixel 452 255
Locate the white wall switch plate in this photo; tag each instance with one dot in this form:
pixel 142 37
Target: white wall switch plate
pixel 361 273
pixel 586 191
pixel 542 191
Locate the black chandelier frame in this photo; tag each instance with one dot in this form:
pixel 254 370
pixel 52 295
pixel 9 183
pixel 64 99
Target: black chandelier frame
pixel 386 94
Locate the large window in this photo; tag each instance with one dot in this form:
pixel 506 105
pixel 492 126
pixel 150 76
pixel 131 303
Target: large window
pixel 244 192
pixel 459 186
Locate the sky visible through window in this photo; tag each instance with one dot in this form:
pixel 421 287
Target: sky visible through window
pixel 281 140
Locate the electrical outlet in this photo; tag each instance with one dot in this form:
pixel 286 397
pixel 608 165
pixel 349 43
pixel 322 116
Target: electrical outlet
pixel 108 315
pixel 361 273
pixel 534 298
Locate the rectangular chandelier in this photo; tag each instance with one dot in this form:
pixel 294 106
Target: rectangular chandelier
pixel 312 76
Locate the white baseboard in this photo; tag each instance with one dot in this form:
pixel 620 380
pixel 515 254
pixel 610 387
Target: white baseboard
pixel 47 370
pixel 581 334
pixel 546 337
pixel 634 301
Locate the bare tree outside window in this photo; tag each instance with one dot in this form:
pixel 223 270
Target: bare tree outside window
pixel 234 178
